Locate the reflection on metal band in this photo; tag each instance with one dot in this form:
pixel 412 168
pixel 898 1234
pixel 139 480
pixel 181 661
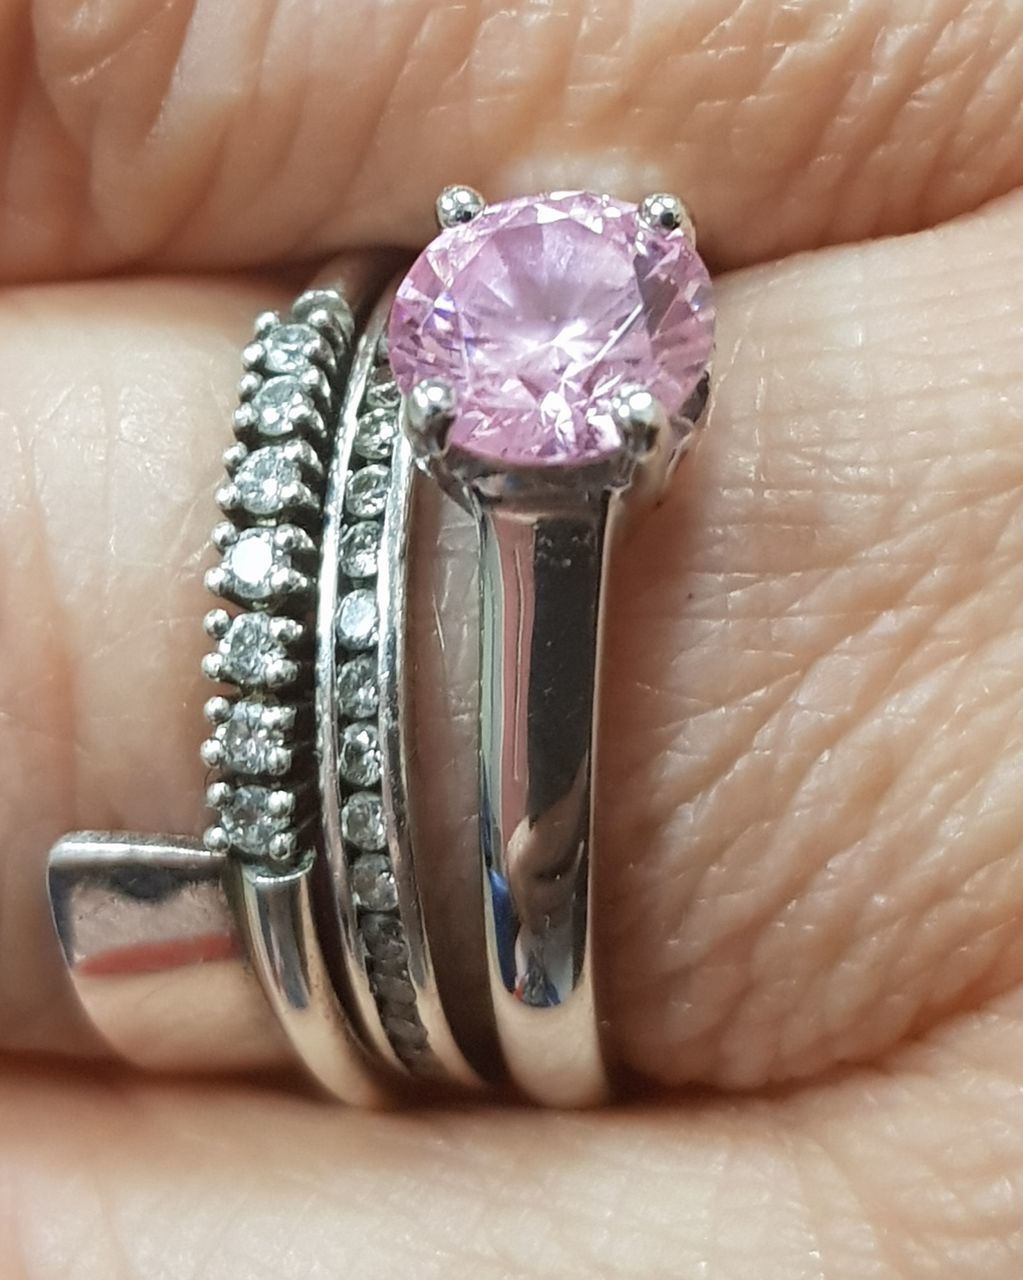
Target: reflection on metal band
pixel 155 953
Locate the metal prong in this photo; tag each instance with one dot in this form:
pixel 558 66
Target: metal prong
pixel 665 212
pixel 289 582
pixel 265 322
pixel 235 456
pixel 227 497
pixel 213 666
pixel 211 752
pixel 224 535
pixel 280 672
pixel 430 411
pixel 216 839
pixel 278 761
pixel 218 794
pixel 216 623
pixel 245 417
pixel 216 580
pixel 283 845
pixel 280 804
pixel 458 204
pixel 640 419
pixel 253 355
pixel 248 385
pixel 218 710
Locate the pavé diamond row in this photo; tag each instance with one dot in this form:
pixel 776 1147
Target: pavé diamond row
pixel 269 546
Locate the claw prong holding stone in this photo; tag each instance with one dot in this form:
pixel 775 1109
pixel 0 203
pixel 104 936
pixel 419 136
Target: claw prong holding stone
pixel 430 410
pixel 458 204
pixel 641 421
pixel 663 211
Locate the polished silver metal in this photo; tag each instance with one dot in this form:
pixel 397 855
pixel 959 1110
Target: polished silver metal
pixel 458 204
pixel 383 942
pixel 156 955
pixel 663 211
pixel 545 538
pixel 197 957
pixel 278 919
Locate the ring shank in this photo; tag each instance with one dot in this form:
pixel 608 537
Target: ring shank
pixel 541 597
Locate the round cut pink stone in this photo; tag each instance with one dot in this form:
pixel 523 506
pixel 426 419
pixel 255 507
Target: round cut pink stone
pixel 538 311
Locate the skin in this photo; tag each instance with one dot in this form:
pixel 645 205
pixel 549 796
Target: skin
pixel 813 881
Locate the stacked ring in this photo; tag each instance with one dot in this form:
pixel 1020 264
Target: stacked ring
pixel 545 362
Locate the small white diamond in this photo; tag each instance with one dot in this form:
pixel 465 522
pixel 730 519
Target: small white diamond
pixel 357 688
pixel 248 648
pixel 375 434
pixel 262 476
pixel 273 401
pixel 357 554
pixel 373 885
pixel 359 755
pixel 366 495
pixel 383 394
pixel 285 345
pixel 357 619
pixel 362 821
pixel 247 741
pixel 247 819
pixel 251 560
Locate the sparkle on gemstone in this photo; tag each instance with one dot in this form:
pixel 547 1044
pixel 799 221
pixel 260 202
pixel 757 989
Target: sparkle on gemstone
pixel 248 822
pixel 375 433
pixel 357 554
pixel 273 401
pixel 372 882
pixel 383 394
pixel 249 647
pixel 284 348
pixel 357 691
pixel 538 311
pixel 261 478
pixel 359 755
pixel 366 494
pixel 357 619
pixel 362 824
pixel 247 741
pixel 250 562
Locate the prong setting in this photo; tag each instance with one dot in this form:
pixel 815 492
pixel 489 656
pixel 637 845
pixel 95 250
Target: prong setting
pixel 430 411
pixel 457 205
pixel 665 212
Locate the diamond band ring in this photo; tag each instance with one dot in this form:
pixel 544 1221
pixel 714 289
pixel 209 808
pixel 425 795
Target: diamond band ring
pixel 544 364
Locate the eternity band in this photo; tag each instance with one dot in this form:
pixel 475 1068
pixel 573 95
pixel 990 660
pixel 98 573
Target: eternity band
pixel 544 364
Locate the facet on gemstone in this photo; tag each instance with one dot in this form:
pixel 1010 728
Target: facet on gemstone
pixel 538 311
pixel 262 477
pixel 359 754
pixel 357 619
pixel 366 492
pixel 357 554
pixel 375 434
pixel 248 648
pixel 250 562
pixel 248 822
pixel 357 691
pixel 285 348
pixel 362 823
pixel 273 402
pixel 247 740
pixel 372 881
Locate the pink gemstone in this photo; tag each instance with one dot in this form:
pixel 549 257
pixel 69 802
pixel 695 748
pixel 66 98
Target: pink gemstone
pixel 538 310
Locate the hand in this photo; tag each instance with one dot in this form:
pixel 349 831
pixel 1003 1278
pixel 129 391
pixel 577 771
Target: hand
pixel 812 794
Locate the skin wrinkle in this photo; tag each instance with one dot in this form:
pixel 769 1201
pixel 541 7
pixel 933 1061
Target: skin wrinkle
pixel 785 126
